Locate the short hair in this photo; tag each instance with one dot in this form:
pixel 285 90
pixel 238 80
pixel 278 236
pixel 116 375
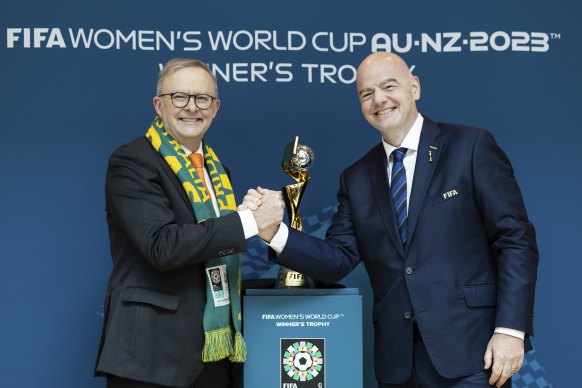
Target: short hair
pixel 176 64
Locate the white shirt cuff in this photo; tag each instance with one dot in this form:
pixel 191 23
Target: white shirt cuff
pixel 280 239
pixel 512 332
pixel 249 224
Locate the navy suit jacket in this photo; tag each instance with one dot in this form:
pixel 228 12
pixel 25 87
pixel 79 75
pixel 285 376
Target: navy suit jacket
pixel 469 264
pixel 156 294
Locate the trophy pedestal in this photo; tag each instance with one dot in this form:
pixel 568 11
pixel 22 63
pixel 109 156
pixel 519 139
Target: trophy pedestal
pixel 309 338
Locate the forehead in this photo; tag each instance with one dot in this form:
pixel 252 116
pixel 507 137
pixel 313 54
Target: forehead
pixel 380 71
pixel 189 79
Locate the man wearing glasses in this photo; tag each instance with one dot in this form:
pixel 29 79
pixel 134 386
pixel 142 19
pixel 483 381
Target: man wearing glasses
pixel 172 308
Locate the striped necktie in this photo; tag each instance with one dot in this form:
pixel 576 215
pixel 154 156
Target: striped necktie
pixel 398 191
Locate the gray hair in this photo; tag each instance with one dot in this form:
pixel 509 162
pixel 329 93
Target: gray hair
pixel 176 64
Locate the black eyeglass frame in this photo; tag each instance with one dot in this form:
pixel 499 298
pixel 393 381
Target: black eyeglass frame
pixel 190 96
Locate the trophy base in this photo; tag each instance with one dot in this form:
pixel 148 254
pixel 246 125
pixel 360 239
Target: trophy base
pixel 288 278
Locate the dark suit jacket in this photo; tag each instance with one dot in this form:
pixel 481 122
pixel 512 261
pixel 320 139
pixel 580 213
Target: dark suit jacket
pixel 469 264
pixel 156 293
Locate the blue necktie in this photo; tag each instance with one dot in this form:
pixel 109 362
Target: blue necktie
pixel 398 191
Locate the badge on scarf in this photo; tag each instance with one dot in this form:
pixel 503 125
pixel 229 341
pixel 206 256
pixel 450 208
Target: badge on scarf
pixel 219 284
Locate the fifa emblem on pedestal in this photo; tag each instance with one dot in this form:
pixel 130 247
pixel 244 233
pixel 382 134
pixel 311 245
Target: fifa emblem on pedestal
pixel 302 363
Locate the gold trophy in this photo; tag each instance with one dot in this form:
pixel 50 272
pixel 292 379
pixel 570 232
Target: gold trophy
pixel 297 159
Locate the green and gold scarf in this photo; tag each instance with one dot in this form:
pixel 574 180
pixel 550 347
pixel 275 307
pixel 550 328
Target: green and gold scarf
pixel 219 320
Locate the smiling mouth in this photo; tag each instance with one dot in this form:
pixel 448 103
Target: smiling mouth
pixel 385 111
pixel 190 120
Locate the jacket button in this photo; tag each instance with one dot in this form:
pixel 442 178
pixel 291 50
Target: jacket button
pixel 408 270
pixel 408 314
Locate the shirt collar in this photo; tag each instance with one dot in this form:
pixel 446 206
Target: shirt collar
pixel 188 152
pixel 411 140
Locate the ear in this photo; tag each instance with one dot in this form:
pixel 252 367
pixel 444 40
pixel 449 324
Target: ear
pixel 215 107
pixel 158 105
pixel 416 88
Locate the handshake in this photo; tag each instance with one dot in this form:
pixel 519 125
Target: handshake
pixel 267 207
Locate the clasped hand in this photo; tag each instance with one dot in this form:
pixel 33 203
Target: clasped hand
pixel 267 207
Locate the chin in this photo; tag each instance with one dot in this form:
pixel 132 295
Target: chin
pixel 192 130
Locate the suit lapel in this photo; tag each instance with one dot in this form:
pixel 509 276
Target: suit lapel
pixel 172 177
pixel 379 178
pixel 429 147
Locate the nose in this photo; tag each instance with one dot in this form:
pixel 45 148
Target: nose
pixel 379 96
pixel 191 105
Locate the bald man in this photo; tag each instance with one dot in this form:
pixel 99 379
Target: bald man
pixel 435 214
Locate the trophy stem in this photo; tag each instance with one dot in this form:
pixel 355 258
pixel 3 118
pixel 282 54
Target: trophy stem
pixel 287 278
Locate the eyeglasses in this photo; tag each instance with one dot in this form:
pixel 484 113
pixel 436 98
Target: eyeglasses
pixel 180 100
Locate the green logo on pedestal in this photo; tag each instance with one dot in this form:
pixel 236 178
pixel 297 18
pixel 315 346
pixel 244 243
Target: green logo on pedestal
pixel 302 365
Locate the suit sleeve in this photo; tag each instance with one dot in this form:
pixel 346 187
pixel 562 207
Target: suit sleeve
pixel 511 234
pixel 328 260
pixel 140 202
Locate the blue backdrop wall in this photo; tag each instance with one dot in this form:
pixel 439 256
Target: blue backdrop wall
pixel 78 80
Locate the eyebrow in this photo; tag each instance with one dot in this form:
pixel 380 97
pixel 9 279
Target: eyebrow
pixel 386 81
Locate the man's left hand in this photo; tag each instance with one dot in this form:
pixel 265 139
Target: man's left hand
pixel 504 355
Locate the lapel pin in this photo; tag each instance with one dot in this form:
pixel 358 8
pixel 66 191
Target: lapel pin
pixel 430 153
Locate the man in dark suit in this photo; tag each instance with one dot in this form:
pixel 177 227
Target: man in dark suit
pixel 435 214
pixel 172 308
